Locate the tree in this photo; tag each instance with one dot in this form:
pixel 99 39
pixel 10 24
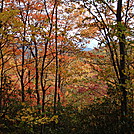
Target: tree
pixel 114 25
pixel 44 71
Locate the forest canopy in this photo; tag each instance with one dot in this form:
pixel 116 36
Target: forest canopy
pixel 50 82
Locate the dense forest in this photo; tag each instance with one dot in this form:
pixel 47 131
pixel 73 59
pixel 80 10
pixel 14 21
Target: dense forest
pixel 50 83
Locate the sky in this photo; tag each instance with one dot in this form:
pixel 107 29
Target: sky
pixel 93 43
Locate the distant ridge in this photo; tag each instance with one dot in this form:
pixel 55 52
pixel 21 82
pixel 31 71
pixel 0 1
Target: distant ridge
pixel 87 49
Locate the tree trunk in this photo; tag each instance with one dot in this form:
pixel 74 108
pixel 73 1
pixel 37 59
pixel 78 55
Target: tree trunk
pixel 37 74
pixel 56 74
pixel 122 80
pixel 2 63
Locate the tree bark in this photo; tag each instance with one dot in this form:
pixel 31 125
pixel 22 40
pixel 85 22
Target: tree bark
pixel 56 74
pixel 2 63
pixel 37 74
pixel 122 80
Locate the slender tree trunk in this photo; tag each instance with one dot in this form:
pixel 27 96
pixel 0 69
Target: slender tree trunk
pixel 22 73
pixel 56 74
pixel 29 88
pixel 22 65
pixel 43 63
pixel 23 54
pixel 44 94
pixel 37 74
pixel 59 86
pixel 59 74
pixel 1 76
pixel 2 63
pixel 122 80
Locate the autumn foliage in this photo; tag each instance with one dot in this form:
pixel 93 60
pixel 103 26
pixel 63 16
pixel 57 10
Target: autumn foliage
pixel 49 83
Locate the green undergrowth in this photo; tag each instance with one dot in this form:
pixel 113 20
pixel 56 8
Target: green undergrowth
pixel 97 118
